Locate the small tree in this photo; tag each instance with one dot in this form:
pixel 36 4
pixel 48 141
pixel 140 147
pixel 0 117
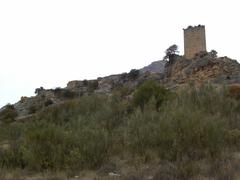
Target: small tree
pixel 8 114
pixel 201 54
pixel 170 52
pixel 85 82
pixel 133 74
pixel 213 53
pixel 38 90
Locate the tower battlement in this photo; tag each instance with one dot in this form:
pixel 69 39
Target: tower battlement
pixel 194 40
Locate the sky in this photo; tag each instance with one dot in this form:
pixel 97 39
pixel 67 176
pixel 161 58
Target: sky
pixel 50 42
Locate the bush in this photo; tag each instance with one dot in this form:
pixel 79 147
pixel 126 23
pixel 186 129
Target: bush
pixel 133 74
pixel 196 124
pixel 91 145
pixel 190 134
pixel 213 53
pixel 142 132
pixel 39 90
pixel 201 54
pixel 234 91
pixel 85 82
pixel 192 125
pixel 48 102
pixel 44 147
pixel 48 146
pixel 8 114
pixel 64 93
pixel 68 94
pixel 123 76
pixel 232 138
pixel 92 85
pixel 148 90
pixel 10 146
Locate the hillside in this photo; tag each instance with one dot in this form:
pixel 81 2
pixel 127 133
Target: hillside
pixel 181 122
pixel 154 67
pixel 219 71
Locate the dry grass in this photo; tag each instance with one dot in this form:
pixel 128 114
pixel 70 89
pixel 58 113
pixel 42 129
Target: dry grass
pixel 234 91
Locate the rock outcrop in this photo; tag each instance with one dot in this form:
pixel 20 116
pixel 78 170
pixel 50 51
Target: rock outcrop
pixel 154 67
pixel 177 72
pixel 109 83
pixel 221 70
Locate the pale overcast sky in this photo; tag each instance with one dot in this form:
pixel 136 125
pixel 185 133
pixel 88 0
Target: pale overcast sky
pixel 50 42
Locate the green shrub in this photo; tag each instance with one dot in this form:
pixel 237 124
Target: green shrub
pixel 85 82
pixel 232 138
pixel 197 123
pixel 33 109
pixel 91 148
pixel 148 90
pixel 10 146
pixel 92 85
pixel 39 90
pixel 186 133
pixel 187 169
pixel 142 132
pixel 8 114
pixel 64 93
pixel 72 135
pixel 48 102
pixel 11 156
pixel 133 74
pixel 192 125
pixel 44 147
pixel 122 91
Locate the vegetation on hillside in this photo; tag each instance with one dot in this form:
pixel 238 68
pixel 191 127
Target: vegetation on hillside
pixel 183 128
pixel 170 53
pixel 8 114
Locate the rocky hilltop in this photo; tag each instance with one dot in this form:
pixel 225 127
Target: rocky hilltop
pixel 155 67
pixel 222 70
pixel 126 127
pixel 172 74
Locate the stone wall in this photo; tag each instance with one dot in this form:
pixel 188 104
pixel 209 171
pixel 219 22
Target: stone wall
pixel 194 40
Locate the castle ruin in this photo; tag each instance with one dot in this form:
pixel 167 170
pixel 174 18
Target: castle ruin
pixel 194 41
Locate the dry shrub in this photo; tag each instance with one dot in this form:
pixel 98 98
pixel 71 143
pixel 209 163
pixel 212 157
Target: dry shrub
pixel 234 91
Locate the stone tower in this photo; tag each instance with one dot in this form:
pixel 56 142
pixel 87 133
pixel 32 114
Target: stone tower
pixel 194 40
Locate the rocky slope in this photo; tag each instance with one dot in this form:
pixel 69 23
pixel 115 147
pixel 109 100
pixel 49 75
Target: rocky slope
pixel 154 67
pixel 221 70
pixel 175 73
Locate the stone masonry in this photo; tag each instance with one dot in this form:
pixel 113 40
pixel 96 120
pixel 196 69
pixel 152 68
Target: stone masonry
pixel 194 41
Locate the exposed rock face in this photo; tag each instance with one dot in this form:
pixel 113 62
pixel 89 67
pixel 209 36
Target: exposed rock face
pixel 31 105
pixel 109 83
pixel 216 70
pixel 154 67
pixel 80 86
pixel 174 73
